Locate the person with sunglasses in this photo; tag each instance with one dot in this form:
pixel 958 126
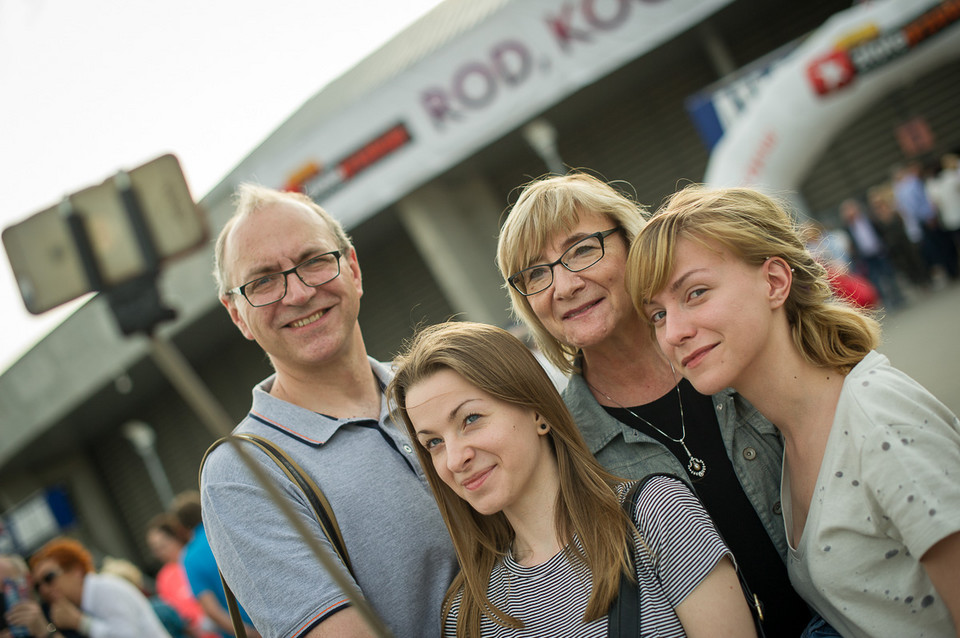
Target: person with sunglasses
pixel 562 252
pixel 289 277
pixel 20 613
pixel 88 603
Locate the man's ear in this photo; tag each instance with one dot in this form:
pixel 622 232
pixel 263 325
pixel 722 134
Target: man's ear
pixel 354 270
pixel 229 303
pixel 778 276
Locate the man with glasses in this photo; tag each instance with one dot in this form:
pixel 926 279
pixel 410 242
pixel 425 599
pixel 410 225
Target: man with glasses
pixel 289 277
pixel 562 251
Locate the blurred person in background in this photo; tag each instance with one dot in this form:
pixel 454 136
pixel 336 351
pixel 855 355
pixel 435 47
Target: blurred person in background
pixel 828 249
pixel 903 251
pixel 126 570
pixel 870 251
pixel 167 539
pixel 95 605
pixel 25 617
pixel 913 201
pixel 944 192
pixel 201 566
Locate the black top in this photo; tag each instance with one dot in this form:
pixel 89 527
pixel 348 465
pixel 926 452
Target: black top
pixel 785 613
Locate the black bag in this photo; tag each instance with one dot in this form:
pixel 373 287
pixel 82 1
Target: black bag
pixel 623 619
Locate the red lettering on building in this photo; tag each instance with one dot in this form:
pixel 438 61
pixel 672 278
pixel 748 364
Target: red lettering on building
pixel 563 30
pixel 759 159
pixel 374 151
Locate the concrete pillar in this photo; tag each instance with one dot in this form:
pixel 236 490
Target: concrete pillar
pixel 454 226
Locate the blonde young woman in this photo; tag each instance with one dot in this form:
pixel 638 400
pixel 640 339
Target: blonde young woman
pixel 562 253
pixel 536 522
pixel 870 494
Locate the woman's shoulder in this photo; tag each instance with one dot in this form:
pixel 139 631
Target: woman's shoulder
pixel 658 495
pixel 884 395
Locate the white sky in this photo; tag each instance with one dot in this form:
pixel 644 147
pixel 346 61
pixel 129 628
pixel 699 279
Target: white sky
pixel 87 88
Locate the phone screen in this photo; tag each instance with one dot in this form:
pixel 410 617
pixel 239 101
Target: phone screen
pixel 46 260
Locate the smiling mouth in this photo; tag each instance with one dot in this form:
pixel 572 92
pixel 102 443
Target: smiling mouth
pixel 299 323
pixel 573 314
pixel 696 357
pixel 476 480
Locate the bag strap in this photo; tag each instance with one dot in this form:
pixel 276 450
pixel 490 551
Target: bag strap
pixel 623 619
pixel 318 502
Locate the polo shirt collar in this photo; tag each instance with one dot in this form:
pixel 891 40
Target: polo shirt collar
pixel 303 425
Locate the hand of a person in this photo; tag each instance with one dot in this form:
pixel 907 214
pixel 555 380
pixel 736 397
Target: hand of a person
pixel 64 614
pixel 28 614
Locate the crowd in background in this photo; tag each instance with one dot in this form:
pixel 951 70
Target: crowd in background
pixel 59 592
pixel 904 233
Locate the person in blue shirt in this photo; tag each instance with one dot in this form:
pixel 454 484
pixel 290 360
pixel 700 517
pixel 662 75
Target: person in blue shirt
pixel 201 567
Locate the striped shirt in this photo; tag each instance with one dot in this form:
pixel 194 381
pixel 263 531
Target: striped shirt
pixel 550 599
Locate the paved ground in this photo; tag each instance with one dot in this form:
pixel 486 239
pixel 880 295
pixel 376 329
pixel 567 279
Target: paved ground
pixel 923 340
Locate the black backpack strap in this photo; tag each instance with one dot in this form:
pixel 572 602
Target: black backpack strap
pixel 313 493
pixel 630 504
pixel 623 619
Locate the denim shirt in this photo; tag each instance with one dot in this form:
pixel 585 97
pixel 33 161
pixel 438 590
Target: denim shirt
pixel 753 444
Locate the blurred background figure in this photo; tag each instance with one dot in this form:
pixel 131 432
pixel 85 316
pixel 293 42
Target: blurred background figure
pixel 90 603
pixel 20 614
pixel 831 249
pixel 944 192
pixel 166 539
pixel 871 253
pixel 126 570
pixel 201 566
pixel 904 252
pixel 912 200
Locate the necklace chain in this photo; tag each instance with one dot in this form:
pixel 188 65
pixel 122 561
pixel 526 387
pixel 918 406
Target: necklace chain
pixel 695 466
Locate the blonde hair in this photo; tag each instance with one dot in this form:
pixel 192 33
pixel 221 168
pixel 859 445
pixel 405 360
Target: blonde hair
pixel 547 206
pixel 251 198
pixel 124 569
pixel 827 331
pixel 587 506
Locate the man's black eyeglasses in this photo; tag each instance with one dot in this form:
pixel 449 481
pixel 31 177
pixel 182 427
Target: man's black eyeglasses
pixel 268 289
pixel 577 257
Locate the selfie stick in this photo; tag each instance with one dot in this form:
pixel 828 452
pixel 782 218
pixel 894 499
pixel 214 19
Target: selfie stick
pixel 137 306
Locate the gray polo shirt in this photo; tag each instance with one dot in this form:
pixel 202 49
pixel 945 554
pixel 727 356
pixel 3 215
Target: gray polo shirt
pixel 396 539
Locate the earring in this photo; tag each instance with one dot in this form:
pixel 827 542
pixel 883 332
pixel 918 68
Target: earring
pixel 543 427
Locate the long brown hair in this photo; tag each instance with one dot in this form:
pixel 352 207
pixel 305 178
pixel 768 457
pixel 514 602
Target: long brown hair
pixel 587 506
pixel 827 331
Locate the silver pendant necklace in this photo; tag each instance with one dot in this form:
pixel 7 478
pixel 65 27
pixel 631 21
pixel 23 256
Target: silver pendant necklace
pixel 695 466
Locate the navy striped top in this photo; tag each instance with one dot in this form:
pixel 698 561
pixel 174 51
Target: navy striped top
pixel 682 547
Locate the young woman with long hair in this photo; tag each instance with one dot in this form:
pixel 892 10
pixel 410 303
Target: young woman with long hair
pixel 870 497
pixel 537 523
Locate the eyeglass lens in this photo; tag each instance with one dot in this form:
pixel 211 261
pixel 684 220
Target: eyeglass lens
pixel 577 257
pixel 271 288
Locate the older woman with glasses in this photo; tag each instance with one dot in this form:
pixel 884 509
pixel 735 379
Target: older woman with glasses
pixel 562 252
